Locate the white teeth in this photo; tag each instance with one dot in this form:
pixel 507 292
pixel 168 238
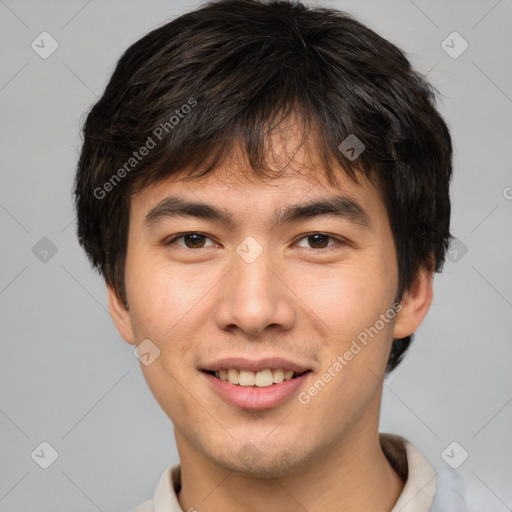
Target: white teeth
pixel 246 378
pixel 233 376
pixel 263 379
pixel 260 379
pixel 278 376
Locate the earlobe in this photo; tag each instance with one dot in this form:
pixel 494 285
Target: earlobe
pixel 415 304
pixel 120 315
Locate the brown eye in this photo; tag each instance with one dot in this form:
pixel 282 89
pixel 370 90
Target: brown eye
pixel 319 241
pixel 190 241
pixel 194 241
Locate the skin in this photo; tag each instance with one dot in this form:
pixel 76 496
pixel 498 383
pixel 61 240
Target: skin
pixel 296 300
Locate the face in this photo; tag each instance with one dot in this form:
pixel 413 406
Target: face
pixel 261 280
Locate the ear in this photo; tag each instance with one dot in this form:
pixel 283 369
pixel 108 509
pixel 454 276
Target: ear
pixel 415 303
pixel 120 315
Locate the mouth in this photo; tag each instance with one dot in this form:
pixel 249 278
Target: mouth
pixel 255 385
pixel 261 379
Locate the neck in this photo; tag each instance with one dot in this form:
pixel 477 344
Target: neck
pixel 351 476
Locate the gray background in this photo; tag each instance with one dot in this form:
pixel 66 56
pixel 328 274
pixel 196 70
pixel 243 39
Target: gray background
pixel 67 378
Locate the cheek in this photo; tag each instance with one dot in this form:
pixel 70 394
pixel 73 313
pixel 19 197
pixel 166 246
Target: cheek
pixel 163 299
pixel 355 356
pixel 165 307
pixel 347 299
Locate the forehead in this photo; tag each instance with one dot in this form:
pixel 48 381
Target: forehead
pixel 234 200
pixel 293 174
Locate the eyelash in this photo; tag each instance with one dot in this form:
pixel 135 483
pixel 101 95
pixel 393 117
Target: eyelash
pixel 339 240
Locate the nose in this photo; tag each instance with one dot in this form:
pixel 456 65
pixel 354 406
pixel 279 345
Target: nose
pixel 254 297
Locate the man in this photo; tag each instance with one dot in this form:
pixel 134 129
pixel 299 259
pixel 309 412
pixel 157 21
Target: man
pixel 265 189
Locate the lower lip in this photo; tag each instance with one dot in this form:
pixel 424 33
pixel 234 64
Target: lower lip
pixel 255 398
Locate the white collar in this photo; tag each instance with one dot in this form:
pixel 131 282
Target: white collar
pixel 420 478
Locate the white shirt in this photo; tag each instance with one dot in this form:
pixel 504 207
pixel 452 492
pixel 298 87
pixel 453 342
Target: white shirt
pixel 425 490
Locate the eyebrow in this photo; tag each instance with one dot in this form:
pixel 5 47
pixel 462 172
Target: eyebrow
pixel 338 206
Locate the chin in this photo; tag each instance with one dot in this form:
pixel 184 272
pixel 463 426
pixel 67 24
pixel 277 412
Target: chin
pixel 261 462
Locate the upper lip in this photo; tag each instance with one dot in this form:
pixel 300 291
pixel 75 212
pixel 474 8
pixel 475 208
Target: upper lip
pixel 255 365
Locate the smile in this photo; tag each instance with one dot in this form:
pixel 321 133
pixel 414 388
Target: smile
pixel 260 379
pixel 252 396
